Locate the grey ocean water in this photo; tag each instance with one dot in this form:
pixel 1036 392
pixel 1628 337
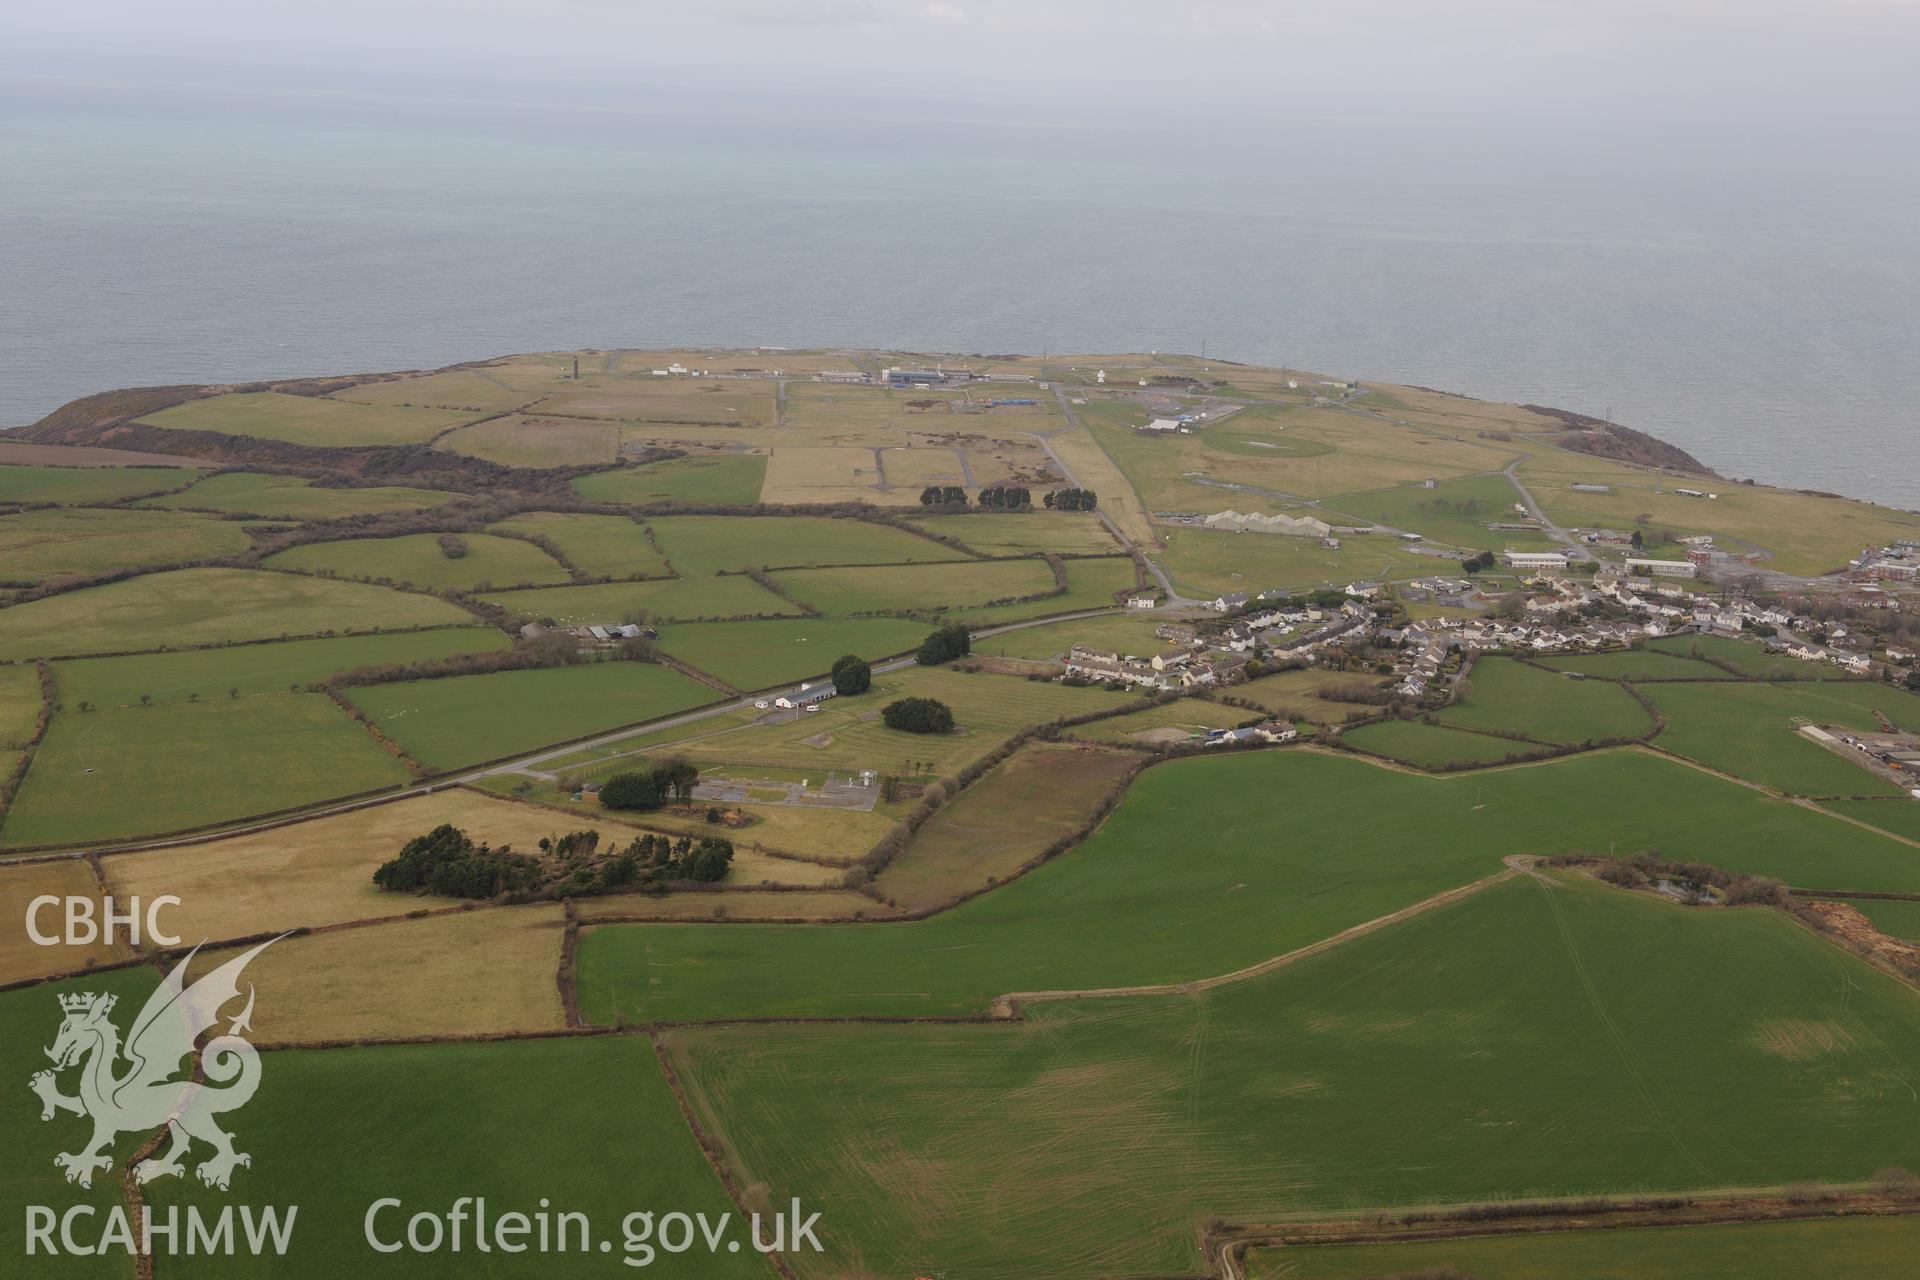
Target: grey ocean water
pixel 1753 299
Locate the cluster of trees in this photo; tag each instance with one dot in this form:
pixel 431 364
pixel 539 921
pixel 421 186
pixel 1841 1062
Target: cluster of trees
pixel 669 781
pixel 1480 563
pixel 1072 499
pixel 918 715
pixel 949 642
pixel 852 674
pixel 453 546
pixel 995 497
pixel 651 859
pixel 448 862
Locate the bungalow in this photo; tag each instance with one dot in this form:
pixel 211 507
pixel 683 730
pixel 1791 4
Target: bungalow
pixel 806 695
pixel 1364 590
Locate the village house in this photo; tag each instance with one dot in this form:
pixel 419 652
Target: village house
pixel 1101 665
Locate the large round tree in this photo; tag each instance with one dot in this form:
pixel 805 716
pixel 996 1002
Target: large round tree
pixel 852 674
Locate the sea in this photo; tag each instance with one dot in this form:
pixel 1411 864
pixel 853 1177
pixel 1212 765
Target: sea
pixel 1749 295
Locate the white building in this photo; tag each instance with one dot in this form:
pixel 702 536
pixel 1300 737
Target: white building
pixel 1536 560
pixel 1662 568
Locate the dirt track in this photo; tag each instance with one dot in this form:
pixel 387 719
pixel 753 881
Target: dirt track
pixel 1008 1006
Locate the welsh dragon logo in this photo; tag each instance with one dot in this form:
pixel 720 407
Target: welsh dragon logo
pixel 153 1089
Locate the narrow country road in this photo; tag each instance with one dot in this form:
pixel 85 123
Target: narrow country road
pixel 1174 599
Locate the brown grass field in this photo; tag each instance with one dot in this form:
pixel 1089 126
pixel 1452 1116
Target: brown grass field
pixel 640 397
pixel 840 834
pixel 486 970
pixel 1004 820
pixel 20 956
pixel 743 905
pixel 319 872
pixel 1302 694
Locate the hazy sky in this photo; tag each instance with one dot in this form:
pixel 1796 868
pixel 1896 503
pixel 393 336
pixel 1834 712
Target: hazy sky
pixel 1820 60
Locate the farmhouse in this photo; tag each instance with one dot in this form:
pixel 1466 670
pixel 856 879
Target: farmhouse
pixel 806 695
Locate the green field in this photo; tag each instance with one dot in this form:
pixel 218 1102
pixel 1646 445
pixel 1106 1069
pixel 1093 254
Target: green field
pixel 19 705
pixel 208 606
pixel 462 720
pixel 699 545
pixel 928 587
pixel 1456 512
pixel 418 560
pixel 145 770
pixel 1190 878
pixel 1431 745
pixel 661 600
pixel 1639 664
pixel 1209 562
pixel 1747 730
pixel 1858 1248
pixel 298 498
pixel 758 655
pixel 254 668
pixel 88 484
pixel 29 1020
pixel 1091 584
pixel 1746 657
pixel 1509 1045
pixel 1307 693
pixel 1510 695
pixel 309 420
pixel 847 734
pixel 1900 816
pixel 604 546
pixel 37 545
pixel 1120 633
pixel 1011 533
pixel 1895 917
pixel 595 1130
pixel 716 478
pixel 468 389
